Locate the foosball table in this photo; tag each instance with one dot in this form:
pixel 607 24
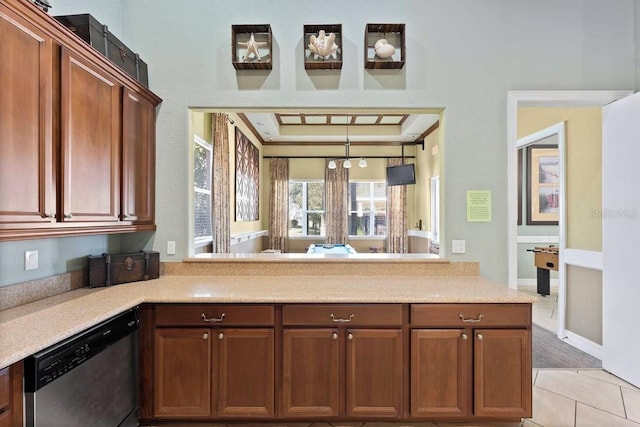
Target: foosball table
pixel 545 260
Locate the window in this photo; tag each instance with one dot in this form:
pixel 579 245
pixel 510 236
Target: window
pixel 368 208
pixel 202 163
pixel 435 208
pixel 306 208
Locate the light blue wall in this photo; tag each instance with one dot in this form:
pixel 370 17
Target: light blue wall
pixel 462 55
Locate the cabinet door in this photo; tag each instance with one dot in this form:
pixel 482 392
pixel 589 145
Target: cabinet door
pixel 138 158
pixel 310 374
pixel 441 372
pixel 182 372
pixel 26 171
pixel 502 373
pixel 246 372
pixel 90 129
pixel 374 372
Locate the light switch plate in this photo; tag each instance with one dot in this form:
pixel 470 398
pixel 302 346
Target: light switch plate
pixel 458 247
pixel 30 260
pixel 171 247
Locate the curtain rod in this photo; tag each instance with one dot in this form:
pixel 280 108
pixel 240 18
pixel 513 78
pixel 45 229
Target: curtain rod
pixel 336 157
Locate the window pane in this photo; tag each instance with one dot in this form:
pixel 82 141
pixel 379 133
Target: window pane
pixel 380 224
pixel 315 223
pixel 201 167
pixel 315 196
pixel 359 225
pixel 380 189
pixel 202 215
pixel 363 189
pixel 380 205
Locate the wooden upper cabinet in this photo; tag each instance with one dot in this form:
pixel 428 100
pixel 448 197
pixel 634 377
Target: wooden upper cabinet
pixel 26 165
pixel 90 129
pixel 138 158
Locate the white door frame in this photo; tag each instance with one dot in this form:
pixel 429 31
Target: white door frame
pixel 559 130
pixel 516 99
pixel 551 98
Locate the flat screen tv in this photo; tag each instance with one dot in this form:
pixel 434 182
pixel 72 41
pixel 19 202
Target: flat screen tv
pixel 401 175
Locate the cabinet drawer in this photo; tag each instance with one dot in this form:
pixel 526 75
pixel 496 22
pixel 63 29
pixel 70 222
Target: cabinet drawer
pixel 470 315
pixel 214 315
pixel 335 315
pixel 5 389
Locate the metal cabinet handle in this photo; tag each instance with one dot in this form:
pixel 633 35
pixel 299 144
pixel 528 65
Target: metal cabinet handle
pixel 470 319
pixel 349 336
pixel 339 320
pixel 205 336
pixel 220 336
pixel 47 215
pixel 480 337
pixel 464 337
pixel 334 336
pixel 68 216
pixel 212 319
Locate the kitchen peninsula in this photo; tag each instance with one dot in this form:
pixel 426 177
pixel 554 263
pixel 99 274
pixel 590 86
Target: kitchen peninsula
pixel 443 344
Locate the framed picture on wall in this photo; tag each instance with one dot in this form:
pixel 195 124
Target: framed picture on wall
pixel 247 179
pixel 543 185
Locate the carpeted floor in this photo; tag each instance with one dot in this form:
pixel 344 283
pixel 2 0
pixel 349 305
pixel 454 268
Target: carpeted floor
pixel 551 352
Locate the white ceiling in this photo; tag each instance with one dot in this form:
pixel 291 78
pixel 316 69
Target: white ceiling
pixel 325 128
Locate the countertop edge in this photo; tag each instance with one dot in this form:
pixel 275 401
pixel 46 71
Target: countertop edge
pixel 67 314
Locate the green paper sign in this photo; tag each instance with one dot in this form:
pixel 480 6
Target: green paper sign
pixel 478 206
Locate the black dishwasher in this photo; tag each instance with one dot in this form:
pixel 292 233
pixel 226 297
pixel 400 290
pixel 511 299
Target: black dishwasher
pixel 89 379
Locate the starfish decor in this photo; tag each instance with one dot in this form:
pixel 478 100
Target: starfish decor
pixel 252 48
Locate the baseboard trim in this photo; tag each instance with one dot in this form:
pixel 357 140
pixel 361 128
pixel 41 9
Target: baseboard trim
pixel 584 344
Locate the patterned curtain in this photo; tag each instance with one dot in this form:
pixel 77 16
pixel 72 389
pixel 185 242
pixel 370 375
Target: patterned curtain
pixel 221 209
pixel 397 240
pixel 279 204
pixel 336 190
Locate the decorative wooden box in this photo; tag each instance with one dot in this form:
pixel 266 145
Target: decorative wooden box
pixel 323 47
pixel 100 38
pixel 384 46
pixel 251 47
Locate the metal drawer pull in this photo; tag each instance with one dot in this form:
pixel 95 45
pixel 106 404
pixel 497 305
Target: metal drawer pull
pixel 471 320
pixel 205 336
pixel 464 337
pixel 334 336
pixel 213 319
pixel 349 336
pixel 220 336
pixel 338 320
pixel 480 337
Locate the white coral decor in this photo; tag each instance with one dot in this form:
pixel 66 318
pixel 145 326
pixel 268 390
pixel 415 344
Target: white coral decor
pixel 323 46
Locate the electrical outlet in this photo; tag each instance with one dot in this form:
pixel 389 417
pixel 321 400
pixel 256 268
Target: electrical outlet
pixel 30 260
pixel 458 247
pixel 171 247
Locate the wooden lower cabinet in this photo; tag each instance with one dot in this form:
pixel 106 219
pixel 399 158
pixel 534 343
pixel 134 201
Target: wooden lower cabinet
pixel 11 392
pixel 310 373
pixel 374 373
pixel 295 362
pixel 204 372
pixel 502 373
pixel 441 375
pixel 182 374
pixel 313 363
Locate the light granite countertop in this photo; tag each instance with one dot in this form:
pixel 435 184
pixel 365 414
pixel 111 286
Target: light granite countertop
pixel 27 329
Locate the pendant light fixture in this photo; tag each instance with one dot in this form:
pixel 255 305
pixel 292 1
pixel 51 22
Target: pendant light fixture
pixel 347 161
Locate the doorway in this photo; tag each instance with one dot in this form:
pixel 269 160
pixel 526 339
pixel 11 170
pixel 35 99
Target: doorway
pixel 577 259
